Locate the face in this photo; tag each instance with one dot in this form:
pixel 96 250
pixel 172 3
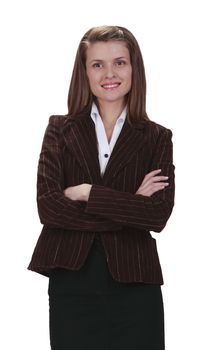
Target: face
pixel 109 70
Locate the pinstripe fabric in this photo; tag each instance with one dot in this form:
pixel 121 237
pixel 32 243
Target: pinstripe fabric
pixel 69 157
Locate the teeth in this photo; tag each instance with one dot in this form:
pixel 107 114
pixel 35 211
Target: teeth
pixel 110 86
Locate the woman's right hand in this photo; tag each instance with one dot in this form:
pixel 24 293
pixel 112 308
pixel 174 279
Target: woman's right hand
pixel 152 183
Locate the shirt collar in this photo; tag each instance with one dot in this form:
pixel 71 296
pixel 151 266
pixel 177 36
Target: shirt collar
pixel 95 113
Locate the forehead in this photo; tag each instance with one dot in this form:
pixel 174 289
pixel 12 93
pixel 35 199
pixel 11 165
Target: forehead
pixel 102 50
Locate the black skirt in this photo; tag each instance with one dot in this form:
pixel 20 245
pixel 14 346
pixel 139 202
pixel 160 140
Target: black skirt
pixel 90 310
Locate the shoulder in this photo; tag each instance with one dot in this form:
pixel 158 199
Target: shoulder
pixel 64 120
pixel 156 128
pixel 153 131
pixel 59 126
pixel 57 120
pixel 57 123
pixel 53 129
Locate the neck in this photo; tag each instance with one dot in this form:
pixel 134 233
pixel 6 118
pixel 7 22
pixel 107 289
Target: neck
pixel 110 111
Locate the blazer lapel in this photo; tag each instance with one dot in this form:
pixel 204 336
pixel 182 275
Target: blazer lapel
pixel 130 140
pixel 80 137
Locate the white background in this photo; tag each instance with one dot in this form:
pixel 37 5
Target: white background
pixel 38 44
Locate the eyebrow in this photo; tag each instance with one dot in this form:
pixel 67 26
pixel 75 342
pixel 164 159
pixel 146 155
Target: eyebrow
pixel 115 59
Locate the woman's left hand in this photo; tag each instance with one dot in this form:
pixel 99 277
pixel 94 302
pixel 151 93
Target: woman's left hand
pixel 78 193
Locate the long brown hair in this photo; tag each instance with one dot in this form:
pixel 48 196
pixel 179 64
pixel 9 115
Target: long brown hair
pixel 80 97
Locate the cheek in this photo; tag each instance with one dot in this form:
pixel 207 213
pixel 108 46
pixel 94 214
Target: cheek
pixel 89 76
pixel 128 77
pixel 92 78
pixel 128 74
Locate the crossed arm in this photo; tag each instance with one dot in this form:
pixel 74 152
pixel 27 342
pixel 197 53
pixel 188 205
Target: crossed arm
pixel 151 183
pixel 138 211
pixel 97 208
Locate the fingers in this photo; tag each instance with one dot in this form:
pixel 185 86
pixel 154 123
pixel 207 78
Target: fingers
pixel 151 188
pixel 153 173
pixel 156 179
pixel 152 183
pixel 153 177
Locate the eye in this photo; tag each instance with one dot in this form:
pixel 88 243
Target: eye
pixel 120 63
pixel 97 65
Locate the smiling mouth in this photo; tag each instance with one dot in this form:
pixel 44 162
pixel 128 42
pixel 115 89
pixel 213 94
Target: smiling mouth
pixel 110 86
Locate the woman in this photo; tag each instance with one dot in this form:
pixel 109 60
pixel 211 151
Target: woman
pixel 105 179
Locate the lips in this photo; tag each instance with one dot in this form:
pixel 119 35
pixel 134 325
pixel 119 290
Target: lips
pixel 110 86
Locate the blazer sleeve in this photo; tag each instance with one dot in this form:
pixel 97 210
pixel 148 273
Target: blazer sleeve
pixel 141 212
pixel 54 209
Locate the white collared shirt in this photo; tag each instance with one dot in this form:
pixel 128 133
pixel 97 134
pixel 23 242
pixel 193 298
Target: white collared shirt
pixel 104 147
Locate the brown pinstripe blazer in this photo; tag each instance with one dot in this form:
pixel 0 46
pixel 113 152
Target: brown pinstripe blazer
pixel 69 157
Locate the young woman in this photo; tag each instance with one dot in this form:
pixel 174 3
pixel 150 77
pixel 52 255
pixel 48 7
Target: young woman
pixel 105 180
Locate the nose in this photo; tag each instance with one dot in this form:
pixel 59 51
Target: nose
pixel 109 72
